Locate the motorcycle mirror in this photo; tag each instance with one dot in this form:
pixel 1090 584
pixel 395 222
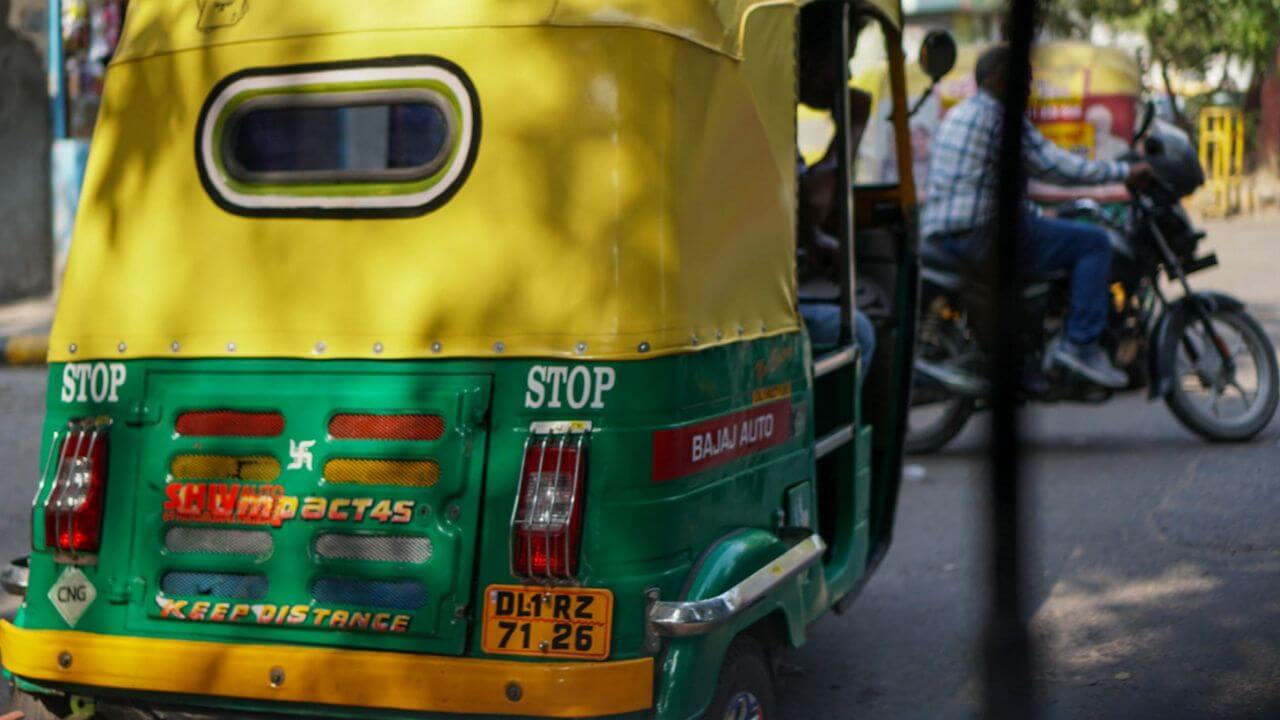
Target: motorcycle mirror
pixel 937 54
pixel 1148 116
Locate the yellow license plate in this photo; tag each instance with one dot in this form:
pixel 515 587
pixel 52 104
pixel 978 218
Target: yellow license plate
pixel 542 622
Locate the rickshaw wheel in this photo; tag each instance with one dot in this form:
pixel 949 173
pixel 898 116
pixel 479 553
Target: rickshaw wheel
pixel 39 707
pixel 745 688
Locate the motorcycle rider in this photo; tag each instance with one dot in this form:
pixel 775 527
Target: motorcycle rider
pixel 960 213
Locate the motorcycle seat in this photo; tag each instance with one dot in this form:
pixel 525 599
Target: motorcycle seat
pixel 936 258
pixel 950 270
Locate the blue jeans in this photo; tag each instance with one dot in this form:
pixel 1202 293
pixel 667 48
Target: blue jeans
pixel 823 322
pixel 1050 244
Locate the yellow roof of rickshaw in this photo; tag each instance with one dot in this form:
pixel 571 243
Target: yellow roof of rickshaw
pixel 162 26
pixel 1111 70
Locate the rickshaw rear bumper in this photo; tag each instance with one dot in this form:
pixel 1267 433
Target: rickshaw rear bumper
pixel 698 617
pixel 13 577
pixel 326 676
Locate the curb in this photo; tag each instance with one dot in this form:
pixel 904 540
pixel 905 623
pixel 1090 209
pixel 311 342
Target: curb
pixel 24 350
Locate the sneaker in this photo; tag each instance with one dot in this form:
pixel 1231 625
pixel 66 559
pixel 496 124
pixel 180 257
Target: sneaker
pixel 1089 362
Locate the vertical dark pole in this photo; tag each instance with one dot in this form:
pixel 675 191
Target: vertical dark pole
pixel 1008 673
pixel 57 71
pixel 844 175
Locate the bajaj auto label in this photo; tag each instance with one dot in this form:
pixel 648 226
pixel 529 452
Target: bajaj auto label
pixel 72 594
pixel 558 386
pixel 687 450
pixel 96 382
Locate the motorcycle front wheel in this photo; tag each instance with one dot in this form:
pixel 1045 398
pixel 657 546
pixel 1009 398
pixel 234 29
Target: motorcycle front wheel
pixel 1221 403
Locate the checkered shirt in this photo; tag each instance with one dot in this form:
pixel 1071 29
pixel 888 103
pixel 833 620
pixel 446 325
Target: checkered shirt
pixel 963 172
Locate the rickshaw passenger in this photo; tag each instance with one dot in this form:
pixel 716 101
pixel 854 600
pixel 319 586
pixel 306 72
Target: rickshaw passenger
pixel 960 210
pixel 817 251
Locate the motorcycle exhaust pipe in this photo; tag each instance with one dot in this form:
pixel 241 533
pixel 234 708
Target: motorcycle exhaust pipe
pixel 952 380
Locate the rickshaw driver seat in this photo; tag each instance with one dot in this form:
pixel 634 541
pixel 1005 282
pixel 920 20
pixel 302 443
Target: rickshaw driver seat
pixel 817 251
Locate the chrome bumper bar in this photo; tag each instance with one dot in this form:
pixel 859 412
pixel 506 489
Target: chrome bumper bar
pixel 13 578
pixel 698 617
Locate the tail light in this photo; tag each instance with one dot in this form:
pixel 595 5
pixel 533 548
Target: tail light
pixel 229 423
pixel 386 427
pixel 73 511
pixel 546 525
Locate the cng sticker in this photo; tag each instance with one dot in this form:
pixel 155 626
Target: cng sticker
pixel 72 594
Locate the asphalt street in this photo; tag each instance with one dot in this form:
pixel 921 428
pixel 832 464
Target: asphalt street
pixel 1155 588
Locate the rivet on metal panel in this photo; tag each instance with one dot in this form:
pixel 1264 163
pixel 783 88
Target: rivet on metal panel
pixel 582 347
pixel 719 334
pixel 694 340
pixel 377 348
pixel 424 510
pixel 455 512
pixel 175 346
pixel 460 612
pixel 64 660
pixel 436 347
pixel 231 347
pixel 122 347
pixel 276 677
pixel 320 347
pixel 644 347
pixel 764 328
pixel 499 347
pixel 514 692
pixel 72 348
pixel 544 646
pixel 741 331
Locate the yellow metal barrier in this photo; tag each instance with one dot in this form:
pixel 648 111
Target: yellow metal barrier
pixel 1222 157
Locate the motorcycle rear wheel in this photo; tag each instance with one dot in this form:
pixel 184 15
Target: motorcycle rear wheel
pixel 940 341
pixel 1201 390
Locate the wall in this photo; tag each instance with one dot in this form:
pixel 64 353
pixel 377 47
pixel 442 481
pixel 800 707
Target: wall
pixel 25 235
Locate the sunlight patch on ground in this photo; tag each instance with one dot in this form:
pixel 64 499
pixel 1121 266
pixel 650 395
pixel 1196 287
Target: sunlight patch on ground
pixel 1096 621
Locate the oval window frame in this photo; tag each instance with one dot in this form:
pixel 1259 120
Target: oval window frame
pixel 395 193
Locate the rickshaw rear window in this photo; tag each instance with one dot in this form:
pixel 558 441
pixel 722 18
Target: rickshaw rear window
pixel 322 140
pixel 378 138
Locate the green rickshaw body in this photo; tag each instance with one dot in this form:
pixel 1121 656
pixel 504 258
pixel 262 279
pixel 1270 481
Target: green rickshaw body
pixel 298 450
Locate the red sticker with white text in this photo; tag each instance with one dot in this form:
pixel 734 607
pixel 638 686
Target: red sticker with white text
pixel 687 450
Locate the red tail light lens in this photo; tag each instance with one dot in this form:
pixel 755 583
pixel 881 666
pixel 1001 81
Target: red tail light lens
pixel 230 423
pixel 73 512
pixel 386 427
pixel 547 523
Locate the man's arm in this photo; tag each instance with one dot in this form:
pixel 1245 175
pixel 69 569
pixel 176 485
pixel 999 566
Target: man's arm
pixel 1046 161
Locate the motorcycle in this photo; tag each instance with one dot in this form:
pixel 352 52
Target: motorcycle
pixel 1202 353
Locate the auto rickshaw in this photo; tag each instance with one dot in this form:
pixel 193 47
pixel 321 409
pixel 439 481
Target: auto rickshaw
pixel 437 359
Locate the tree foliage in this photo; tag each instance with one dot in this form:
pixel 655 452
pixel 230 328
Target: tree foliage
pixel 1182 34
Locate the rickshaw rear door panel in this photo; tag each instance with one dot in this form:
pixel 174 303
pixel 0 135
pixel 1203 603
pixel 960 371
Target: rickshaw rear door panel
pixel 342 529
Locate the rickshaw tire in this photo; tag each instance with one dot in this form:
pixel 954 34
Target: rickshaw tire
pixel 746 670
pixel 39 707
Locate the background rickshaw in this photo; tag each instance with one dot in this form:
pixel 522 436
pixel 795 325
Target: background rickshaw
pixel 387 382
pixel 1084 97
